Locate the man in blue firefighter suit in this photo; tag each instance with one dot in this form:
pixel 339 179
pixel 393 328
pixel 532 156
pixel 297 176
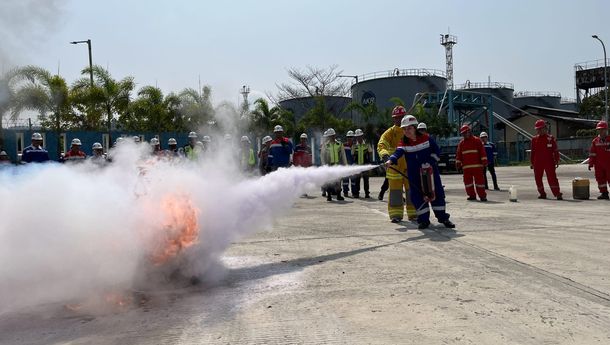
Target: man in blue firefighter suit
pixel 280 150
pixel 422 154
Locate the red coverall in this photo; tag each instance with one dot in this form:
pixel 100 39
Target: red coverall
pixel 544 158
pixel 599 158
pixel 472 158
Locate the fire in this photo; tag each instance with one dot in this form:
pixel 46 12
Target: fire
pixel 180 229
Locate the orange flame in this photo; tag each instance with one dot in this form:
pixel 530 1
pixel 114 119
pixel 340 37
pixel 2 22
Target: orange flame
pixel 180 229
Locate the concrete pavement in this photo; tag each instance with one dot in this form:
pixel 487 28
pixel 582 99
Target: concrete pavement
pixel 532 272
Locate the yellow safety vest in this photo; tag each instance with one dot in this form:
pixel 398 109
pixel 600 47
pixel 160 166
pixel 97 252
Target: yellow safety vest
pixel 361 150
pixel 334 152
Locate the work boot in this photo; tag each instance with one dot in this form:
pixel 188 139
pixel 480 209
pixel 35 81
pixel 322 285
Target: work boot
pixel 603 196
pixel 356 196
pixel 496 188
pixel 448 224
pixel 542 196
pixel 423 225
pixel 472 198
pixel 345 194
pixel 560 196
pixel 329 197
pixel 396 220
pixel 340 198
pixel 367 196
pixel 483 199
pixel 380 196
pixel 323 193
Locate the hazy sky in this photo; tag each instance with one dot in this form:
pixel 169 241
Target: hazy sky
pixel 533 44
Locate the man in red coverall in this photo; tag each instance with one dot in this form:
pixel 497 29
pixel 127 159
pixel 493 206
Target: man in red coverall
pixel 545 159
pixel 599 158
pixel 471 158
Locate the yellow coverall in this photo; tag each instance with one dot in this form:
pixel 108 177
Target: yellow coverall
pixel 387 145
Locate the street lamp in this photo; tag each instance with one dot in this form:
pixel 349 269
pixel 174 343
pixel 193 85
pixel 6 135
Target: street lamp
pixel 90 59
pixel 605 77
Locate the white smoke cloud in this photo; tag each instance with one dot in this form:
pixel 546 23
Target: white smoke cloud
pixel 67 232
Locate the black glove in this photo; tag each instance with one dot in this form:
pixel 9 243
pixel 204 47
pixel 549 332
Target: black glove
pixel 385 158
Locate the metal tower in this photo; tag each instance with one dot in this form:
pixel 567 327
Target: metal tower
pixel 245 90
pixel 448 41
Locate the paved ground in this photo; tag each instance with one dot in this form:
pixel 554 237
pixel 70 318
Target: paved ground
pixel 532 272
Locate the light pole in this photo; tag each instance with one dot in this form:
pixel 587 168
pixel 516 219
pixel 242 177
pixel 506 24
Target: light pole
pixel 90 58
pixel 605 77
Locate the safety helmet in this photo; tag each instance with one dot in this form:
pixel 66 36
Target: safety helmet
pixel 304 136
pixel 97 146
pixel 602 125
pixel 136 138
pixel 3 154
pixel 483 135
pixel 422 125
pixel 540 124
pixel 199 143
pixel 464 129
pixel 266 139
pixel 330 132
pixel 192 135
pixel 154 141
pixel 172 141
pixel 36 136
pixel 119 140
pixel 325 133
pixel 76 141
pixel 358 133
pixel 399 110
pixel 206 139
pixel 278 128
pixel 407 121
pixel 349 134
pixel 244 139
pixel 228 136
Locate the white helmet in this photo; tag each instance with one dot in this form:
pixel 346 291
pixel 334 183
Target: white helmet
pixel 304 136
pixel 97 146
pixel 76 141
pixel 422 126
pixel 358 133
pixel 407 121
pixel 136 138
pixel 483 135
pixel 206 139
pixel 192 135
pixel 278 128
pixel 3 154
pixel 349 134
pixel 119 140
pixel 199 143
pixel 228 136
pixel 154 141
pixel 172 141
pixel 266 139
pixel 245 139
pixel 36 136
pixel 330 132
pixel 325 133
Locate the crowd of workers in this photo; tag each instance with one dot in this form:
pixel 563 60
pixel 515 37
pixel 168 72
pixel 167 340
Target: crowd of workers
pixel 409 153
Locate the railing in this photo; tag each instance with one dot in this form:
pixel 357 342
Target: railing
pixel 485 85
pixel 590 64
pixel 537 94
pixel 19 123
pixel 407 72
pixel 567 100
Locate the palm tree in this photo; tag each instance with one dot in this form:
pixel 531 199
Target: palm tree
pixel 263 117
pixel 152 111
pixel 108 96
pixel 196 108
pixel 7 95
pixel 47 94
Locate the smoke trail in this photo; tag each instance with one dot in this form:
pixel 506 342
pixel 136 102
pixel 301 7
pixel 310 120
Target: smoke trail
pixel 67 232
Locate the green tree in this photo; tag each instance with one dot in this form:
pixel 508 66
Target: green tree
pixel 263 117
pixel 318 117
pixel 47 94
pixel 437 124
pixel 7 96
pixel 196 107
pixel 592 107
pixel 106 100
pixel 154 112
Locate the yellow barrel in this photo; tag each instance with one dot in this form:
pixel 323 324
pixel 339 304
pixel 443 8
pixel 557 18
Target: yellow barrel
pixel 580 188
